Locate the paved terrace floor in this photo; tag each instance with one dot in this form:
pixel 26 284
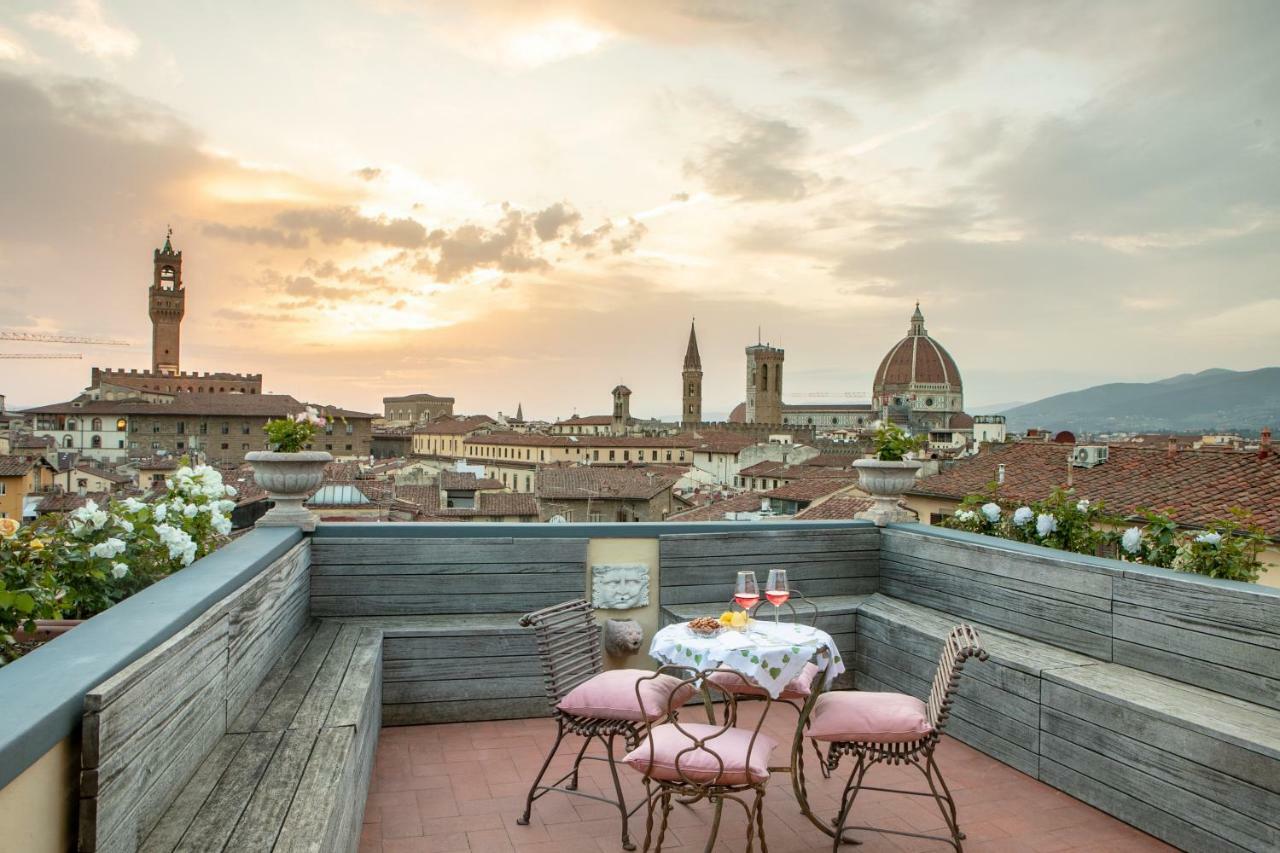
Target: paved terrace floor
pixel 460 787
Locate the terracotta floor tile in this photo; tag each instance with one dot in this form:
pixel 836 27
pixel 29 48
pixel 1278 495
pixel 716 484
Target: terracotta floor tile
pixel 461 786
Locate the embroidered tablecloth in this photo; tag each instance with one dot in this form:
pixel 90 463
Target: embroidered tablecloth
pixel 769 654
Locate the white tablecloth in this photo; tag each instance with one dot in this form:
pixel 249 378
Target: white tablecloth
pixel 769 654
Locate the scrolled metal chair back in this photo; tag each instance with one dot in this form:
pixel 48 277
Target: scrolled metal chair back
pixel 962 643
pixel 699 679
pixel 806 614
pixel 569 645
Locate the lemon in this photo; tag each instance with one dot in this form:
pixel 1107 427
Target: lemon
pixel 726 618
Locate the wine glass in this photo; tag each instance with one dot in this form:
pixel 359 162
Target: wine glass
pixel 746 593
pixel 777 591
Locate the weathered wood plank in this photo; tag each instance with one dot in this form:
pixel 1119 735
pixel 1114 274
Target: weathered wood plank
pixel 820 564
pixel 399 692
pixel 1196 623
pixel 1133 811
pixel 360 680
pixel 314 708
pixel 320 794
pixel 217 817
pixel 1213 783
pixel 173 825
pixel 1230 682
pixel 1249 609
pixel 477 625
pixel 424 552
pixel 1152 630
pixel 754 543
pixel 1230 832
pixel 406 605
pixel 722 592
pixel 284 705
pixel 1023 582
pixel 451 646
pixel 570 584
pixel 264 814
pixel 1060 571
pixel 426 713
pixel 440 669
pixel 514 566
pixel 258 701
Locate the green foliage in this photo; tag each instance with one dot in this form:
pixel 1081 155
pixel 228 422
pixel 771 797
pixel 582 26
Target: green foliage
pixel 892 443
pixel 1227 548
pixel 77 564
pixel 290 435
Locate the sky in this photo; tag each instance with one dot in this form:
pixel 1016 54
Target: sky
pixel 511 202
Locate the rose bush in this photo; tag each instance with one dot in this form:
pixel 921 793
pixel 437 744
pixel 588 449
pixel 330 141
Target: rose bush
pixel 1227 548
pixel 78 564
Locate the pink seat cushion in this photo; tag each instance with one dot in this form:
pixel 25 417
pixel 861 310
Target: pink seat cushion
pixel 855 716
pixel 676 757
pixel 797 688
pixel 612 696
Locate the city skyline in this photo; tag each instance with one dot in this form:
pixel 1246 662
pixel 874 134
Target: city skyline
pixel 507 205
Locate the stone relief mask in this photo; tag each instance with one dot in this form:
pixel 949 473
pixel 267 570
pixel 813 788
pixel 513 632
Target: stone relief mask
pixel 620 586
pixel 622 637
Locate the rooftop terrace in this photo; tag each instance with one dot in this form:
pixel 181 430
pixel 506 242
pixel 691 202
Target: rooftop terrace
pixel 368 687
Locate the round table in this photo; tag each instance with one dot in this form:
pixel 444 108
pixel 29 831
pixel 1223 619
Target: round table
pixel 769 653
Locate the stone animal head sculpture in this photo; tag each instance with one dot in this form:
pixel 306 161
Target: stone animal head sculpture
pixel 622 637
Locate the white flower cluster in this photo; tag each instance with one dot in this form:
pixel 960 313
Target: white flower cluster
pixel 1131 541
pixel 180 544
pixel 88 518
pixel 310 416
pixel 991 511
pixel 1022 515
pixel 1210 538
pixel 966 515
pixel 1045 524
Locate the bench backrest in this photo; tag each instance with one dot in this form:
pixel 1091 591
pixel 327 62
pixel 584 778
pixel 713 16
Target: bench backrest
pixel 700 568
pixel 147 728
pixel 371 576
pixel 1219 635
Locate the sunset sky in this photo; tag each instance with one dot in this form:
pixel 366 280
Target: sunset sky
pixel 527 202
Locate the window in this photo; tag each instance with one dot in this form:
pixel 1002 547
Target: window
pixel 595 455
pixel 71 424
pixel 611 455
pixel 351 428
pixel 3 487
pixel 121 424
pixel 181 427
pixel 225 446
pixel 96 441
pixel 120 443
pixel 155 427
pixel 626 455
pixel 681 455
pixel 244 446
pixel 596 517
pixel 155 445
pixel 668 455
pixel 133 445
pixel 96 425
pixel 328 447
pixel 204 427
pixel 527 485
pixel 67 442
pixel 244 429
pixel 182 445
pixel 226 428
pixel 348 446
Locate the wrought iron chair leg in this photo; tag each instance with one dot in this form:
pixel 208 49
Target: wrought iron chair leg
pixel 800 788
pixel 945 805
pixel 577 763
pixel 662 827
pixel 715 823
pixel 846 799
pixel 946 792
pixel 764 845
pixel 528 803
pixel 617 788
pixel 650 800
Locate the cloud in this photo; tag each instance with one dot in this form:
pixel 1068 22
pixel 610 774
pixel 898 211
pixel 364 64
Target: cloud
pixel 87 30
pixel 759 162
pixel 339 224
pixel 12 49
pixel 255 234
pixel 507 247
pixel 547 223
pixel 368 173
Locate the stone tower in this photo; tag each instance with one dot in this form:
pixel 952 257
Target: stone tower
pixel 621 410
pixel 167 303
pixel 691 386
pixel 764 384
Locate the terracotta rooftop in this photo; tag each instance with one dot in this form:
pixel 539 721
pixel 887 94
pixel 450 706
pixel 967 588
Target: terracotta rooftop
pixel 16 466
pixel 584 481
pixel 488 504
pixel 426 498
pixel 812 488
pixel 587 420
pixel 454 426
pixel 70 501
pixel 113 476
pixel 418 398
pixel 719 441
pixel 715 511
pixel 789 471
pixel 1193 486
pixel 834 508
pixel 467 481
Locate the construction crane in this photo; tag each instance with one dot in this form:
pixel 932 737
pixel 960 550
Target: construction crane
pixel 41 355
pixel 40 337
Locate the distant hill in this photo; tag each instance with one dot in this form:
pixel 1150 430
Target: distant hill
pixel 1210 401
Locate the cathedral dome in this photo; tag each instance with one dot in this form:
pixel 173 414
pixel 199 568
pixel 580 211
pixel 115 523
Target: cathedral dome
pixel 917 364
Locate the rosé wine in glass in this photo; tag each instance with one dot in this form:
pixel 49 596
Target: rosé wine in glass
pixel 746 593
pixel 777 590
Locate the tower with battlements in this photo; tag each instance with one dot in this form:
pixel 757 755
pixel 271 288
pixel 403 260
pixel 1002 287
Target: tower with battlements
pixel 764 384
pixel 167 302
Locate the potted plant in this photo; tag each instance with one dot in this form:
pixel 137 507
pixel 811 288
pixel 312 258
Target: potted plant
pixel 288 471
pixel 890 473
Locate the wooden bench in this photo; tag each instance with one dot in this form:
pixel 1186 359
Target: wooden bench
pixel 449 611
pixel 253 728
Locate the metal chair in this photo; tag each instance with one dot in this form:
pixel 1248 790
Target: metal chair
pixel 690 762
pixel 961 644
pixel 569 645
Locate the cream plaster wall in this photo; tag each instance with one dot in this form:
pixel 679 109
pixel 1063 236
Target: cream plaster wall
pixel 38 808
pixel 601 551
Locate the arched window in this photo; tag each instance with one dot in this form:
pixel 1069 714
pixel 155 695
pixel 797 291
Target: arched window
pixel 97 425
pixel 67 442
pixel 71 424
pixel 121 423
pixel 96 441
pixel 764 377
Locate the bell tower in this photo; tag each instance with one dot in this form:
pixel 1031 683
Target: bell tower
pixel 691 379
pixel 166 301
pixel 764 384
pixel 621 410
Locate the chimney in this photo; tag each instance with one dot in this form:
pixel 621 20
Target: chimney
pixel 1264 446
pixel 1000 474
pixel 1172 447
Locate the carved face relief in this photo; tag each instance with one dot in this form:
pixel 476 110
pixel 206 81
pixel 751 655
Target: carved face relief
pixel 620 586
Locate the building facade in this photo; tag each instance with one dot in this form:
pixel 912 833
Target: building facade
pixel 415 409
pixel 20 478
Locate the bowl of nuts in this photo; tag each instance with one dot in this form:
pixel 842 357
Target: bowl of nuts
pixel 705 626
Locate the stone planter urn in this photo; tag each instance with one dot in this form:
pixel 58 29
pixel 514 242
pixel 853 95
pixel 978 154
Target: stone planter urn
pixel 886 482
pixel 288 478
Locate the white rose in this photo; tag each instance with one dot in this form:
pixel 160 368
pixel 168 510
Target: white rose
pixel 108 549
pixel 190 510
pixel 1082 505
pixel 1045 524
pixel 1209 538
pixel 226 507
pixel 1131 541
pixel 134 505
pixel 126 524
pixel 966 515
pixel 991 511
pixel 1022 515
pixel 221 524
pixel 119 570
pixel 231 491
pixel 159 511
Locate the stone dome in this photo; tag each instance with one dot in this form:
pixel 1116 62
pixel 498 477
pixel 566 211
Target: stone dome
pixel 916 360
